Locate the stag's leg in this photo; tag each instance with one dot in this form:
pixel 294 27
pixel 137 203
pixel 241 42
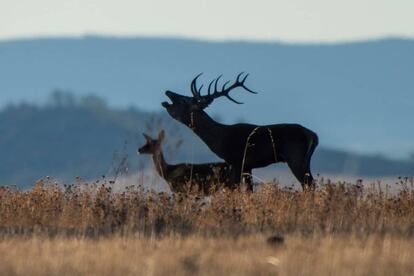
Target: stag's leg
pixel 298 171
pixel 247 176
pixel 309 182
pixel 235 178
pixel 313 143
pixel 238 176
pixel 300 167
pixel 303 175
pixel 298 159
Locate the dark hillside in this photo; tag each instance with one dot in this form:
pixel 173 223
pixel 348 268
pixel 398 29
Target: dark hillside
pixel 83 137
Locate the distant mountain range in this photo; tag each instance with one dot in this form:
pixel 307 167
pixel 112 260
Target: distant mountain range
pixel 83 137
pixel 357 96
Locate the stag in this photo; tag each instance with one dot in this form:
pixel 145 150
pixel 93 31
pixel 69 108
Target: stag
pixel 244 146
pixel 205 178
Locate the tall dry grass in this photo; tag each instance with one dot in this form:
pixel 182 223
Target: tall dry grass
pixel 93 210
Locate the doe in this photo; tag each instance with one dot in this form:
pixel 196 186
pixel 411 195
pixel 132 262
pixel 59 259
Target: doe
pixel 205 178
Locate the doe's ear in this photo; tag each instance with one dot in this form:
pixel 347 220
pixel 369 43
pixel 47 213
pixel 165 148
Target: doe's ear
pixel 161 136
pixel 147 137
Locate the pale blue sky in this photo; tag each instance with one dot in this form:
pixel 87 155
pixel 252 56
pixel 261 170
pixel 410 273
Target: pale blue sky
pixel 285 20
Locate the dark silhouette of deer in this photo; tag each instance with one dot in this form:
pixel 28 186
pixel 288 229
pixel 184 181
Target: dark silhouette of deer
pixel 204 178
pixel 244 146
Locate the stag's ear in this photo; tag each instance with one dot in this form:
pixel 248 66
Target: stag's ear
pixel 147 137
pixel 161 136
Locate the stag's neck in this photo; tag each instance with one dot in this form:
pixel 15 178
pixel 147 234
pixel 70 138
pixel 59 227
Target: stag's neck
pixel 160 163
pixel 210 131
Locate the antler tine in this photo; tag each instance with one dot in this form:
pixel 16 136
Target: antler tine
pixel 194 90
pixel 215 85
pixel 209 87
pixel 224 86
pixel 226 91
pixel 238 77
pixel 242 83
pixel 192 87
pixel 233 100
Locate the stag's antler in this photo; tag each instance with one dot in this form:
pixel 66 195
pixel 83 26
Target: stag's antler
pixel 240 82
pixel 225 91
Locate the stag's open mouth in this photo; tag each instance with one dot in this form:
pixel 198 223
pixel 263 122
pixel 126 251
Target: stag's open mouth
pixel 170 95
pixel 166 104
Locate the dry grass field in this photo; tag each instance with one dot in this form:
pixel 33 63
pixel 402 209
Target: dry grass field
pixel 87 229
pixel 250 255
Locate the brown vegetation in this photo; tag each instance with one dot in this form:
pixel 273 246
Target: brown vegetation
pixel 91 210
pixel 197 255
pixel 86 229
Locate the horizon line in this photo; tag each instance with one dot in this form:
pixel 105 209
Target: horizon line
pixel 207 40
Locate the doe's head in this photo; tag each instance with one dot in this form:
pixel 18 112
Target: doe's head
pixel 152 145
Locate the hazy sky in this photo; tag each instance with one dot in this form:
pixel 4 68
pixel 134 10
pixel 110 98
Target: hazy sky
pixel 286 20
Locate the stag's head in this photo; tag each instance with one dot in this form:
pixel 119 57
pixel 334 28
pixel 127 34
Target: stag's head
pixel 152 145
pixel 181 106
